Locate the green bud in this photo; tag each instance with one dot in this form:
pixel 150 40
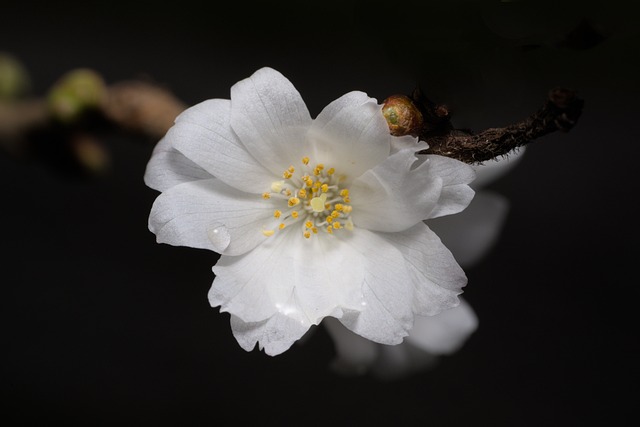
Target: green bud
pixel 75 93
pixel 14 79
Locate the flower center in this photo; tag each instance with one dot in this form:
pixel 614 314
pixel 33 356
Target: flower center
pixel 313 197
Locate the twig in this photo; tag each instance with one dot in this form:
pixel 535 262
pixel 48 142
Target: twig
pixel 560 112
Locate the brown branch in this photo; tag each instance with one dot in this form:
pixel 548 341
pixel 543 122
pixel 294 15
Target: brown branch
pixel 560 112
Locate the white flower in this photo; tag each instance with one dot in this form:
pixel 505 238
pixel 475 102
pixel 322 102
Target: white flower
pixel 313 218
pixel 470 235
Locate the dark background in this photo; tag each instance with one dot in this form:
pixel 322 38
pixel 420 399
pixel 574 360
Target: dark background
pixel 102 326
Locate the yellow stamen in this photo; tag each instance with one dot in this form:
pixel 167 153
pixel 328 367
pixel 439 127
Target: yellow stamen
pixel 266 196
pixel 331 171
pixel 287 174
pixel 277 213
pixel 268 233
pixel 294 214
pixel 337 225
pixel 330 230
pixel 291 169
pixel 329 219
pixel 347 208
pixel 306 234
pixel 308 224
pixel 344 193
pixel 325 188
pixel 293 201
pixel 305 160
pixel 314 230
pixel 339 207
pixel 302 192
pixel 346 199
pixel 281 226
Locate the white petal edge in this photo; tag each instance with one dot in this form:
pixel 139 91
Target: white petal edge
pixel 274 335
pixel 351 135
pixel 388 290
pixel 302 278
pixel 209 214
pixel 436 276
pixel 203 134
pixel 167 167
pixel 405 189
pixel 271 119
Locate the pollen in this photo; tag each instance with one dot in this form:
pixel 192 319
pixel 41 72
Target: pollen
pixel 311 191
pixel 293 201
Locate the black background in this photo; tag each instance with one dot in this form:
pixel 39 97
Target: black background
pixel 102 326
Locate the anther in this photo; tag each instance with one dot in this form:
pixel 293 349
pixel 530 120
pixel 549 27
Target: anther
pixel 293 201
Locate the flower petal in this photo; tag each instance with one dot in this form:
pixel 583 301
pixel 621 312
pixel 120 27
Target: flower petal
pixel 436 276
pixel 456 193
pixel 473 232
pixel 209 214
pixel 271 119
pixel 351 135
pixel 203 134
pixel 275 335
pixel 404 190
pixel 446 332
pixel 298 277
pixel 388 290
pixel 168 167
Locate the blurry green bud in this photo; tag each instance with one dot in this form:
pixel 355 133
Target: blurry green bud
pixel 403 117
pixel 75 93
pixel 14 79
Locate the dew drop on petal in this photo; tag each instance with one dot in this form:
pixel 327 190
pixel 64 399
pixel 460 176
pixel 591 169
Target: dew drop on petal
pixel 219 237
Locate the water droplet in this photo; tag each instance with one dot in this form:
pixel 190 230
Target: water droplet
pixel 219 237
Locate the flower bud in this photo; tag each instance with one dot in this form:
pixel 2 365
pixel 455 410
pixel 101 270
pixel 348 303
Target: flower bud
pixel 403 117
pixel 75 93
pixel 14 79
